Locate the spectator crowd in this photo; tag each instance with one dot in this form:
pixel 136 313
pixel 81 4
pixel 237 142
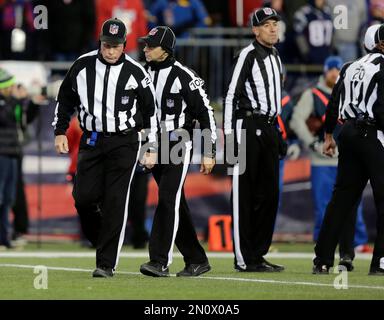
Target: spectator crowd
pixel 310 30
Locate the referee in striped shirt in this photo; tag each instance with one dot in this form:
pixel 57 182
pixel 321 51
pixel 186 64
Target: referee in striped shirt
pixel 358 99
pixel 114 99
pixel 182 99
pixel 252 104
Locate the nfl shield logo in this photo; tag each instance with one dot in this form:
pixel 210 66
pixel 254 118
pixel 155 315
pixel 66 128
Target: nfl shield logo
pixel 170 103
pixel 113 29
pixel 124 100
pixel 152 32
pixel 268 11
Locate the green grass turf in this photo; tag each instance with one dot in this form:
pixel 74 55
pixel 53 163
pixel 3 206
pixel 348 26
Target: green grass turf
pixel 17 283
pixel 74 246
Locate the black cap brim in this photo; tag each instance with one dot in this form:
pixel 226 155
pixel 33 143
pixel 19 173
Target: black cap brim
pixel 150 42
pixel 111 40
pixel 274 17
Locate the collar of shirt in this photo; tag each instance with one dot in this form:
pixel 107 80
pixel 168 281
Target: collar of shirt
pixel 268 50
pixel 162 64
pixel 120 60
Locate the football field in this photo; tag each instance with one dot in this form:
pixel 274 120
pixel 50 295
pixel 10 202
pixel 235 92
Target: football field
pixel 68 269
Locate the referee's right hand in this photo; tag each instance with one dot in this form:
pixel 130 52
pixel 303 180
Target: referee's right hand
pixel 329 145
pixel 61 144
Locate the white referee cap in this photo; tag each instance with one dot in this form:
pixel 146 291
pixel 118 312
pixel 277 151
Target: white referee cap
pixel 369 39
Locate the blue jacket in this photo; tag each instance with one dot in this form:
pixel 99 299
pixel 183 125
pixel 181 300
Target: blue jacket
pixel 180 15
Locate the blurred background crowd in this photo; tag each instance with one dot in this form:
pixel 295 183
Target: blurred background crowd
pixel 73 25
pixel 209 32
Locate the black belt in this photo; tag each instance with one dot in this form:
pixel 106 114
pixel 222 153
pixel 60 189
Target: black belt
pixel 241 114
pixel 112 134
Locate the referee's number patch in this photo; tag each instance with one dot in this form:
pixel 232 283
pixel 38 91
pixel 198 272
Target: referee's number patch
pixel 146 81
pixel 196 84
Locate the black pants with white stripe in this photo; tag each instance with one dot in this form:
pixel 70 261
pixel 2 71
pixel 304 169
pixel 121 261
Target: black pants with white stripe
pixel 361 158
pixel 101 192
pixel 172 223
pixel 255 193
pixel 137 209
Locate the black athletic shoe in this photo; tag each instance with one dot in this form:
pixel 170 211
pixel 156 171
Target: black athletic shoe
pixel 320 269
pixel 259 267
pixel 194 270
pixel 263 266
pixel 102 272
pixel 376 271
pixel 276 267
pixel 347 263
pixel 154 269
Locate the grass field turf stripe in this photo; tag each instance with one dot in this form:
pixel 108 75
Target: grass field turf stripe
pixel 144 254
pixel 300 283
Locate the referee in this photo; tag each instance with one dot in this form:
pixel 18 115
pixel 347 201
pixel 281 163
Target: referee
pixel 358 98
pixel 181 99
pixel 252 104
pixel 114 98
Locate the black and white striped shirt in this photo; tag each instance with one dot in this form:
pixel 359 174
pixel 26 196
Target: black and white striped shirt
pixel 108 97
pixel 255 85
pixel 181 97
pixel 359 92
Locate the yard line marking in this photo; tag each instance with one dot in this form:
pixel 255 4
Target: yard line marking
pixel 29 266
pixel 144 254
pixel 300 283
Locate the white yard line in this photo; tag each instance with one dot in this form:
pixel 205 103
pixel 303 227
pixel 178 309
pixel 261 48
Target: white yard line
pixel 299 283
pixel 144 254
pixel 29 266
pixel 232 279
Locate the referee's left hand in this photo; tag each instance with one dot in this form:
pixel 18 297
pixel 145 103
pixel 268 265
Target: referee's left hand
pixel 61 144
pixel 149 160
pixel 207 165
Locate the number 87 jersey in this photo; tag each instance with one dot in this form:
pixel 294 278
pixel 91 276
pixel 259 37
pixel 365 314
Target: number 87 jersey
pixel 313 27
